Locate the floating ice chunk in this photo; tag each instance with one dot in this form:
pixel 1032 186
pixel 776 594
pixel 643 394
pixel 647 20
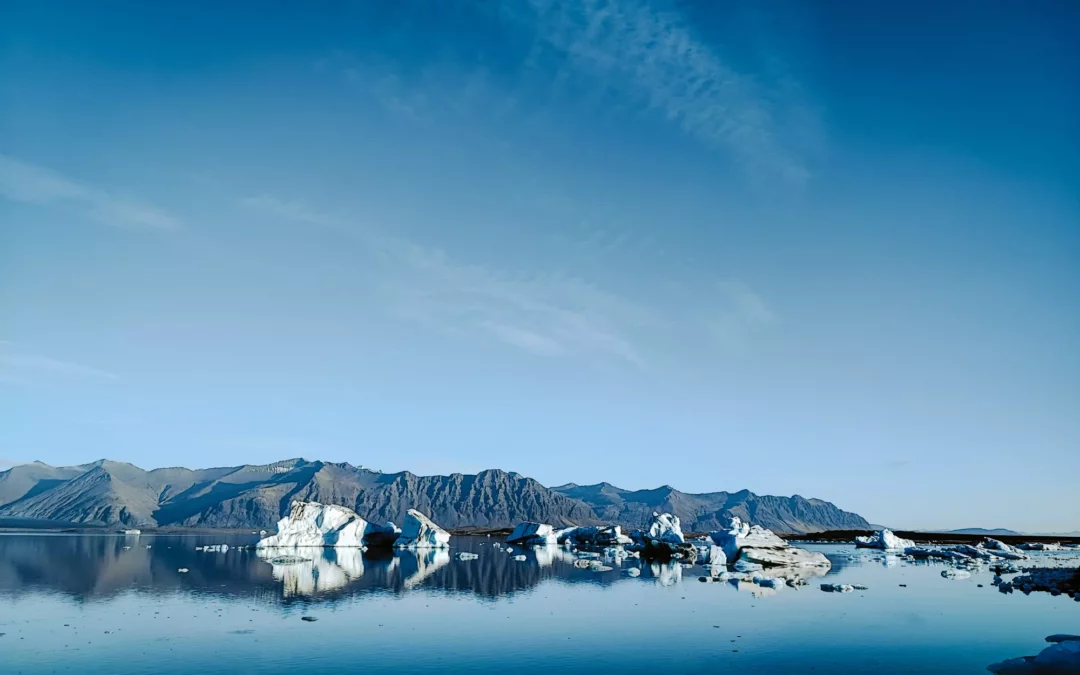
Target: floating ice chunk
pixel 1059 657
pixel 465 555
pixel 769 582
pixel 784 557
pixel 288 560
pixel 418 531
pixel 633 572
pixel 837 588
pixel 532 534
pixel 216 548
pixel 665 528
pixel 319 525
pixel 885 540
pixel 739 535
pixel 521 558
pixel 183 570
pixel 955 574
pixel 1038 546
pixel 1003 550
pixel 610 535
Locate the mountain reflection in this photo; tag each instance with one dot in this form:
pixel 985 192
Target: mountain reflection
pixel 95 567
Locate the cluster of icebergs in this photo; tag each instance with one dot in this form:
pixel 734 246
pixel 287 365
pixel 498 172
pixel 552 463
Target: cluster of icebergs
pixel 988 550
pixel 747 549
pixel 311 524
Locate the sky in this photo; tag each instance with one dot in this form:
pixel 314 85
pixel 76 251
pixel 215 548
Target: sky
pixel 827 249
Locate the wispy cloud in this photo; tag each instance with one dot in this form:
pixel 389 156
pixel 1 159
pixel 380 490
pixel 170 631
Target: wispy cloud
pixel 647 52
pixel 28 183
pixel 18 366
pixel 543 314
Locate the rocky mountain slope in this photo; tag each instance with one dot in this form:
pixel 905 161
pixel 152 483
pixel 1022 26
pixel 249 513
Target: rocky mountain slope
pixel 709 511
pixel 116 494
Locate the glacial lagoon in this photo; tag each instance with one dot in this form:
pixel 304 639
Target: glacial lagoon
pixel 115 604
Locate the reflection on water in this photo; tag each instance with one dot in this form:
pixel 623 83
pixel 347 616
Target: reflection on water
pixel 100 605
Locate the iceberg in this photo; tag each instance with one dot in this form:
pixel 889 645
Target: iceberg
pixel 321 525
pixel 1060 657
pixel 532 534
pixel 748 545
pixel 610 535
pixel 955 574
pixel 884 540
pixel 664 539
pixel 1003 550
pixel 465 555
pixel 418 531
pixel 331 570
pixel 1039 546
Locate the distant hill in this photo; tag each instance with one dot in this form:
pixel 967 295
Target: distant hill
pixel 114 494
pixel 709 511
pixel 983 531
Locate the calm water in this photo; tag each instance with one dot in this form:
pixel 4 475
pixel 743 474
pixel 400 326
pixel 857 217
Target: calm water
pixel 109 604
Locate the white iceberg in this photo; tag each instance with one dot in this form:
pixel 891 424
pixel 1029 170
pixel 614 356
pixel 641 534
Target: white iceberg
pixel 322 525
pixel 465 555
pixel 884 540
pixel 418 531
pixel 532 534
pixel 666 528
pixel 1039 546
pixel 739 535
pixel 748 545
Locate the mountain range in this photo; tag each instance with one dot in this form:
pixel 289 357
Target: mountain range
pixel 108 493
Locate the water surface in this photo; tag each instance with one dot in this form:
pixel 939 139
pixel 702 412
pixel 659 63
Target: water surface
pixel 115 604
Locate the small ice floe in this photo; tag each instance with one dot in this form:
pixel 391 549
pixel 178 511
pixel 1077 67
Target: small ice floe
pixel 309 619
pixel 884 540
pixel 532 534
pixel 1062 656
pixel 955 574
pixel 859 587
pixel 183 570
pixel 127 548
pixel 509 549
pixel 520 558
pixel 633 572
pixel 597 566
pixel 288 560
pixel 148 546
pixel 837 588
pixel 465 555
pixel 930 552
pixel 215 548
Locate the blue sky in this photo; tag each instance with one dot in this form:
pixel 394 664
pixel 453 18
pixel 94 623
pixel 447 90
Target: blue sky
pixel 829 250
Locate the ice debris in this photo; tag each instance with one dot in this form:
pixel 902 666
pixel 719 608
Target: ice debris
pixel 465 555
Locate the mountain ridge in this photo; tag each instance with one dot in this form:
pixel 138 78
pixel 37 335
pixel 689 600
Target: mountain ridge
pixel 108 493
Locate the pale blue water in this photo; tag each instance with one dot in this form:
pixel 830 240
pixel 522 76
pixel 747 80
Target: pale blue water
pixel 85 604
